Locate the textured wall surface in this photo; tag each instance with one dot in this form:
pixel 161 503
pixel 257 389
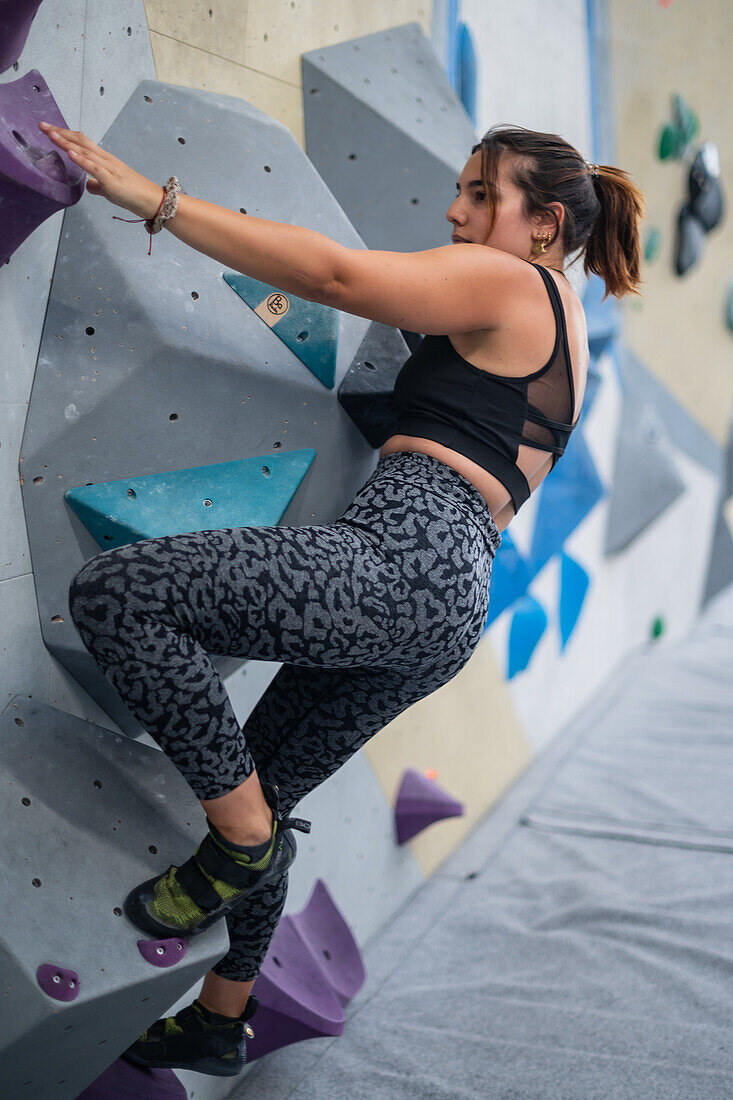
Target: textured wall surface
pixel 678 326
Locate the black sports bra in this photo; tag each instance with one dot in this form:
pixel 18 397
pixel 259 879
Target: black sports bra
pixel 441 396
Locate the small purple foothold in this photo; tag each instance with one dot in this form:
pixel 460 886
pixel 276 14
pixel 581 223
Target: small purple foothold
pixel 57 982
pixel 421 802
pixel 125 1081
pixel 163 952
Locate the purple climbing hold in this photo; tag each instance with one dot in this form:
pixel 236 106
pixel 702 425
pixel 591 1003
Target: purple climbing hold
pixel 57 982
pixel 36 178
pixel 124 1081
pixel 421 802
pixel 16 17
pixel 325 933
pixel 295 1000
pixel 163 952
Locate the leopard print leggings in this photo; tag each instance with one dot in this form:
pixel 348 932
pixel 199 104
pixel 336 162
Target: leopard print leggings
pixel 369 614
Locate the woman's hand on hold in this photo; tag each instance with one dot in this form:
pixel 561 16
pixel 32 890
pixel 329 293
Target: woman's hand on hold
pixel 109 177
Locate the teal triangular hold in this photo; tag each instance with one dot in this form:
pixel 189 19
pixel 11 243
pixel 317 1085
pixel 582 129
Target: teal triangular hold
pixel 249 492
pixel 309 329
pixel 529 623
pixel 574 583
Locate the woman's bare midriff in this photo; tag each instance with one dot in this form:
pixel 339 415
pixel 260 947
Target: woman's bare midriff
pixel 489 351
pixel 491 489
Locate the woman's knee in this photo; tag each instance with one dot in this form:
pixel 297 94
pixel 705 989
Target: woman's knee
pixel 93 584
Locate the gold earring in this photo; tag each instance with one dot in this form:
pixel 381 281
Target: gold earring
pixel 538 244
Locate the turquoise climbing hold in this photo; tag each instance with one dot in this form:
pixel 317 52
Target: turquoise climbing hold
pixel 652 244
pixel 574 584
pixel 686 121
pixel 529 623
pixel 249 492
pixel 309 329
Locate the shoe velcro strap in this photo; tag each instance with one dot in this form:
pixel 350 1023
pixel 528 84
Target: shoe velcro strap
pixel 197 886
pixel 218 864
pixel 294 823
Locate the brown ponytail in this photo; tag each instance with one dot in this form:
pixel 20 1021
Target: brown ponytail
pixel 613 249
pixel 602 212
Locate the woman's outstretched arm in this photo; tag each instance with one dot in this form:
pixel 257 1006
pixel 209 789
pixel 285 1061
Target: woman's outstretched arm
pixel 457 288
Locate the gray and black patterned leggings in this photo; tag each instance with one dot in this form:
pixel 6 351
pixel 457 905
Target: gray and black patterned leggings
pixel 369 614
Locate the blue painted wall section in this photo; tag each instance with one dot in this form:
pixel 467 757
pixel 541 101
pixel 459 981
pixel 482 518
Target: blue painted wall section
pixel 249 492
pixel 574 585
pixel 529 623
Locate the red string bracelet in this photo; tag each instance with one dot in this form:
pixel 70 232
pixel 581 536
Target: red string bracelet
pixel 133 220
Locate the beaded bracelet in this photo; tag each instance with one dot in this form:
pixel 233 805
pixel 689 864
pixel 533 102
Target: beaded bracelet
pixel 167 209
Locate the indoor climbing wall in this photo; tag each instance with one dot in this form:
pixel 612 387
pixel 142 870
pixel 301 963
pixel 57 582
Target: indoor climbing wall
pixel 163 393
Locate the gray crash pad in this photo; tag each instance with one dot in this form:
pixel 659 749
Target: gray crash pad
pixel 579 945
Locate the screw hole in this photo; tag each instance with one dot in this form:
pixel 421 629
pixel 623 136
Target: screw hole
pixel 266 471
pixel 132 494
pixel 173 416
pixel 302 336
pixel 181 141
pixel 89 330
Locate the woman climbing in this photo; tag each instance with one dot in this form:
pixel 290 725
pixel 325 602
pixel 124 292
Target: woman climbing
pixel 371 612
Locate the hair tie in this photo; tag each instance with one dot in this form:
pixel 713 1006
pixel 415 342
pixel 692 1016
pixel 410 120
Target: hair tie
pixel 592 168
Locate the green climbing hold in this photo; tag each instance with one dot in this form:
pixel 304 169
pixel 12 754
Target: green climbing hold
pixel 657 627
pixel 686 121
pixel 652 244
pixel 669 143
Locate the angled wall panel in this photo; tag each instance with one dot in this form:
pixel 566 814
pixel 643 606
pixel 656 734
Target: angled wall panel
pixel 150 364
pixel 389 135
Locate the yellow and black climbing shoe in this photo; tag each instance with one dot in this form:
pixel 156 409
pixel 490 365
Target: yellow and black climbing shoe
pixel 186 900
pixel 197 1039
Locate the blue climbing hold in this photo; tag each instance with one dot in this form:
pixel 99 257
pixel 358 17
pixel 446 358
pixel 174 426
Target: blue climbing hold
pixel 510 577
pixel 249 492
pixel 467 71
pixel 309 329
pixel 529 623
pixel 574 584
pixel 568 494
pixel 602 318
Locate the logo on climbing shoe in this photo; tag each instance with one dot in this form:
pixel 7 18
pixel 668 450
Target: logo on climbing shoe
pixel 278 305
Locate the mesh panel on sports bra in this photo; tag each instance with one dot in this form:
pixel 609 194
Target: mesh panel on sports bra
pixel 550 397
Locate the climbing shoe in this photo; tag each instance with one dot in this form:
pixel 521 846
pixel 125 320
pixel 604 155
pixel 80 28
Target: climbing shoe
pixel 186 900
pixel 198 1039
